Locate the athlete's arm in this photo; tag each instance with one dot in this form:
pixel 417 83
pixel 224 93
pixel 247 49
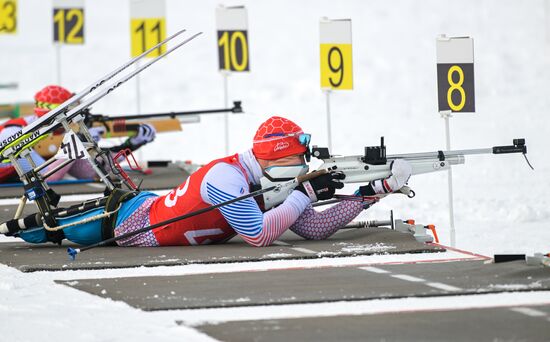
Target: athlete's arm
pixel 313 225
pixel 225 182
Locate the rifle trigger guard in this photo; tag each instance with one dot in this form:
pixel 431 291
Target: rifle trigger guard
pixel 411 194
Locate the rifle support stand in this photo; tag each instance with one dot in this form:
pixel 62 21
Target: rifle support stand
pixel 446 115
pixel 538 259
pixel 418 231
pixel 225 75
pixel 327 92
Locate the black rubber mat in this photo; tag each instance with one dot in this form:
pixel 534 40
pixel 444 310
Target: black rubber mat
pixel 494 324
pixel 161 178
pixel 315 285
pixel 49 257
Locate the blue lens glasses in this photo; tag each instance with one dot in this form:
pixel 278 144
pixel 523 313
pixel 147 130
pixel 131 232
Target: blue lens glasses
pixel 303 138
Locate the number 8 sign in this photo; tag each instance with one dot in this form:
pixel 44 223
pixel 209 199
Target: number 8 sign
pixel 336 54
pixel 455 74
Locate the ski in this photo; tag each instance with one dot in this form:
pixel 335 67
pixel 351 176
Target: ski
pixel 77 97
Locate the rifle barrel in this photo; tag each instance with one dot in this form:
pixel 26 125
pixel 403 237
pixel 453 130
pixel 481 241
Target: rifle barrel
pixel 425 155
pixel 235 109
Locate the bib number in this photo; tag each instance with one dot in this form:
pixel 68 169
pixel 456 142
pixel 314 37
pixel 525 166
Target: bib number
pixel 172 198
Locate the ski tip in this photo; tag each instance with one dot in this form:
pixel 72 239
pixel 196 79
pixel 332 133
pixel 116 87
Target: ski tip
pixel 72 253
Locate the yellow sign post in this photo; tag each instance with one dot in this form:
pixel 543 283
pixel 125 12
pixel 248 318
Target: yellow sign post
pixel 336 60
pixel 147 29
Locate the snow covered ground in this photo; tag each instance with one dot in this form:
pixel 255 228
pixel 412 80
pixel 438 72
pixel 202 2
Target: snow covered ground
pixel 500 204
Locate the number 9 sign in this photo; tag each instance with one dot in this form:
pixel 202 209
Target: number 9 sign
pixel 336 54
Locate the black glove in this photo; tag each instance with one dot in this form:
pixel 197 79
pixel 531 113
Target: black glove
pixel 322 187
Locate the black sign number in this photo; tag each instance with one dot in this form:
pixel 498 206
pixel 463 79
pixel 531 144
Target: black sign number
pixel 455 83
pixel 68 25
pixel 338 68
pixel 233 50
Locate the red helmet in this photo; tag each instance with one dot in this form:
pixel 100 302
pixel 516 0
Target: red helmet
pixel 50 97
pixel 278 138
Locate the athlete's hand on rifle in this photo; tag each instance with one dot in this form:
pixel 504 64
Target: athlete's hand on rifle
pixel 145 134
pixel 322 187
pixel 400 173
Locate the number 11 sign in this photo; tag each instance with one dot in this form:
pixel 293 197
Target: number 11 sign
pixel 147 26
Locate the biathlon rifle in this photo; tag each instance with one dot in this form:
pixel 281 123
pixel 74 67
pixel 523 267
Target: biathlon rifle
pixel 103 119
pixel 127 125
pixel 375 164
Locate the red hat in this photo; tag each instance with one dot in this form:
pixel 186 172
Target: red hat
pixel 50 97
pixel 277 138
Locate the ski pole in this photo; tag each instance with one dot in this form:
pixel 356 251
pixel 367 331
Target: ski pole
pixel 89 89
pixel 96 97
pixel 74 251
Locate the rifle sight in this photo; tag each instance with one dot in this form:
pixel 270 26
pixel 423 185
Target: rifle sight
pixel 375 155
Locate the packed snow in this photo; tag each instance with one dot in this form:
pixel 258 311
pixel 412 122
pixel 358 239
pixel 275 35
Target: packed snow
pixel 500 205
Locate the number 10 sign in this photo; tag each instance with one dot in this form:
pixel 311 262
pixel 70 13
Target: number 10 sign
pixel 336 56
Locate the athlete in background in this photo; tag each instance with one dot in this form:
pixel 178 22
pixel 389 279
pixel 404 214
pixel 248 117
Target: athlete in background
pixel 47 99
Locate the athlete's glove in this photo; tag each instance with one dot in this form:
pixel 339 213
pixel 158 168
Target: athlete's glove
pixel 145 134
pixel 322 187
pixel 400 173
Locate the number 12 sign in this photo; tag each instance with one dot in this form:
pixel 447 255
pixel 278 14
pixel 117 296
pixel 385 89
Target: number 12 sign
pixel 336 54
pixel 147 26
pixel 68 21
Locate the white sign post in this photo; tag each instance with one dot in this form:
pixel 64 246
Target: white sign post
pixel 456 93
pixel 233 51
pixel 68 27
pixel 336 60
